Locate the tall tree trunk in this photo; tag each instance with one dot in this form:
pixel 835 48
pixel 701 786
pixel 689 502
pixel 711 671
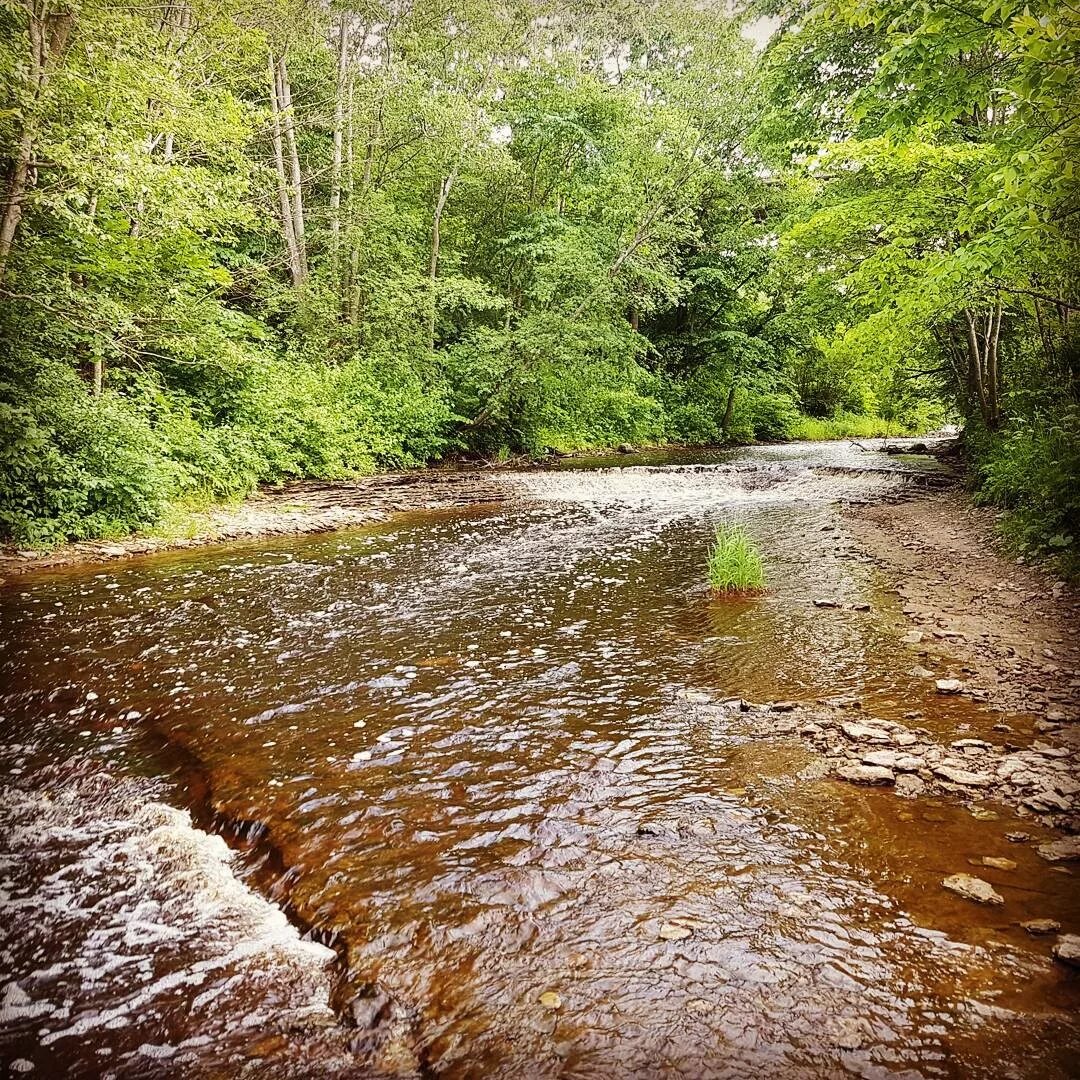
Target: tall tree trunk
pixel 296 274
pixel 339 130
pixel 976 372
pixel 296 186
pixel 436 240
pixel 49 33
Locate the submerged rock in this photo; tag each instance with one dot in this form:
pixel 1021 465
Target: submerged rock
pixel 973 888
pixel 1067 949
pixel 1060 850
pixel 996 863
pixel 1041 926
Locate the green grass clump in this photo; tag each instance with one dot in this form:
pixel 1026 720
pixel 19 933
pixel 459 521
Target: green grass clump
pixel 734 564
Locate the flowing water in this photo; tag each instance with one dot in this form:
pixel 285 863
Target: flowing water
pixel 462 749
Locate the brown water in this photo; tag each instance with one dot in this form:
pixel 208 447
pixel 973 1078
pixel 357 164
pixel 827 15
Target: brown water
pixel 463 744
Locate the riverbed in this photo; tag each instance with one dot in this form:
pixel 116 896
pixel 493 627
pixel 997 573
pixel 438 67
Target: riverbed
pixel 479 756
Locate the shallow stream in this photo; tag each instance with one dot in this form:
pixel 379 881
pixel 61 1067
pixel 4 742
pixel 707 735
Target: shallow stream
pixel 461 748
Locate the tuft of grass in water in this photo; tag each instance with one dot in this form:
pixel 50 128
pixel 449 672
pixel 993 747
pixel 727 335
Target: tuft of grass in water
pixel 734 565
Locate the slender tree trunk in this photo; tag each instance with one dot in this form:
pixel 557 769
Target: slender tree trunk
pixel 49 33
pixel 339 130
pixel 976 368
pixel 296 186
pixel 436 239
pixel 99 373
pixel 284 206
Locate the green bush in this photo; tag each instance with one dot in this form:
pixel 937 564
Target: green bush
pixel 1032 469
pixel 75 466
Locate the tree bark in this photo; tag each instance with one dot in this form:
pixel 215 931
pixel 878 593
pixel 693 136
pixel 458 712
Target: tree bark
pixel 49 33
pixel 296 185
pixel 296 275
pixel 436 240
pixel 339 129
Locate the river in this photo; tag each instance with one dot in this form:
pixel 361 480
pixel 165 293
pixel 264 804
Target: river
pixel 465 751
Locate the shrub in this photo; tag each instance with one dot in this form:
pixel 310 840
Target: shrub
pixel 1031 469
pixel 734 565
pixel 74 466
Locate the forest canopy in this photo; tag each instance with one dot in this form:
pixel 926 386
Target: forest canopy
pixel 242 242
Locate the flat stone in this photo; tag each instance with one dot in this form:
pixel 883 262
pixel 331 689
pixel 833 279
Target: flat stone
pixel 865 774
pixel 1018 837
pixel 826 603
pixel 912 637
pixel 973 888
pixel 920 672
pixel 1041 926
pixel 961 776
pixel 884 758
pixel 1063 850
pixel 863 733
pixel 949 686
pixel 997 863
pixel 1067 950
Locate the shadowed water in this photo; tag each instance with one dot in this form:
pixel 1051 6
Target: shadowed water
pixel 466 738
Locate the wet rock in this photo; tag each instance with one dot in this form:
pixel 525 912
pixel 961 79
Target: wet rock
pixel 816 770
pixel 860 607
pixel 885 758
pixel 782 706
pixel 826 603
pixel 996 863
pixel 551 1000
pixel 919 672
pixel 1063 850
pixel 973 888
pixel 863 732
pixel 1018 837
pixel 856 773
pixel 961 776
pixel 909 786
pixel 949 686
pixel 972 746
pixel 1041 926
pixel 1067 949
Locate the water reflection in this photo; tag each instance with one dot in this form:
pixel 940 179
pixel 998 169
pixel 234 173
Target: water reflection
pixel 467 736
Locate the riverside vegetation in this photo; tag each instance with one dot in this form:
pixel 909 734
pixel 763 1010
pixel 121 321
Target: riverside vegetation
pixel 246 242
pixel 734 564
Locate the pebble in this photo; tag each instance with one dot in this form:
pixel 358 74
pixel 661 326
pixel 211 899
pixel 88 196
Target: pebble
pixel 996 863
pixel 550 1000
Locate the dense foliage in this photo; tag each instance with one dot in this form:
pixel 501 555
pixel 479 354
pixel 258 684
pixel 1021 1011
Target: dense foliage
pixel 243 242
